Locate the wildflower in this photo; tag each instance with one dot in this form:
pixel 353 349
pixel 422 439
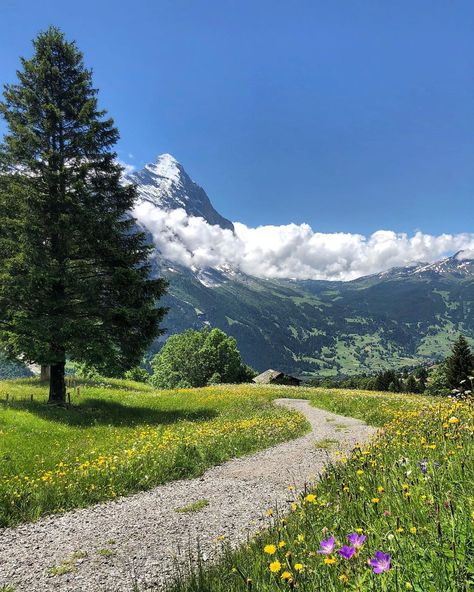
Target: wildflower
pixel 275 566
pixel 329 560
pixel 381 562
pixel 270 549
pixel 326 547
pixel 380 489
pixel 298 566
pixel 346 552
pixel 300 538
pixel 281 544
pixel 310 498
pixel 453 420
pixel 423 466
pixel 343 578
pixel 375 500
pixel 359 472
pixel 356 540
pixel 286 575
pixel 413 530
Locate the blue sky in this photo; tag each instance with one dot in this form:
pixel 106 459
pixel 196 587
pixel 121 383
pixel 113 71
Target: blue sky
pixel 351 116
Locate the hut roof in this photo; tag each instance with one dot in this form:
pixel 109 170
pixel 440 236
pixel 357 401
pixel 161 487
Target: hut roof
pixel 267 376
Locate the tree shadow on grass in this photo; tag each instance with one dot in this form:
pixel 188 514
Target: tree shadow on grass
pixel 91 412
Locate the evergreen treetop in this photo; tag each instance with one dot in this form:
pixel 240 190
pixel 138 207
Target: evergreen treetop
pixel 460 364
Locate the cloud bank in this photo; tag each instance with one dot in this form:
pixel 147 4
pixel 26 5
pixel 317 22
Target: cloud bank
pixel 290 251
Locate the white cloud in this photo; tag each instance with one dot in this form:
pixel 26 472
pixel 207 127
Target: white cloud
pixel 128 169
pixel 290 251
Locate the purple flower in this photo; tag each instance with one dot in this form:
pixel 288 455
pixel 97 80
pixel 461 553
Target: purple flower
pixel 346 552
pixel 326 547
pixel 381 562
pixel 423 466
pixel 356 540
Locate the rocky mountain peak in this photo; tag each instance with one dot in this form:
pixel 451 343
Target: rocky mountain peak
pixel 165 184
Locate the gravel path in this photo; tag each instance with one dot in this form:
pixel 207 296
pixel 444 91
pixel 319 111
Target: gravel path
pixel 136 539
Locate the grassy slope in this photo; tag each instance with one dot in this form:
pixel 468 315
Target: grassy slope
pixel 120 437
pixel 422 515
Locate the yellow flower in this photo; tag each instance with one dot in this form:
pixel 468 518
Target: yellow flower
pixel 343 578
pixel 281 544
pixel 453 419
pixel 380 489
pixel 275 566
pixel 270 549
pixel 300 538
pixel 413 530
pixel 329 560
pixel 359 472
pixel 400 530
pixel 375 500
pixel 298 566
pixel 310 498
pixel 286 575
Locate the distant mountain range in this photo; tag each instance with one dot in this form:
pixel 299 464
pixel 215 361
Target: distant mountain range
pixel 402 316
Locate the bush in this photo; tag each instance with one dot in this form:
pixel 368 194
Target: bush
pixel 199 358
pixel 138 374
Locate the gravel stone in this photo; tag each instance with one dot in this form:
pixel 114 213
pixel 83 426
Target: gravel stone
pixel 151 537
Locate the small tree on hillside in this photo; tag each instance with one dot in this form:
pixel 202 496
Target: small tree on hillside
pixel 411 386
pixel 460 364
pixel 74 278
pixel 198 358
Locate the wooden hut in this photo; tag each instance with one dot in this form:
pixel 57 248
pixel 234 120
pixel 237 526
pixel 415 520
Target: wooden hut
pixel 276 377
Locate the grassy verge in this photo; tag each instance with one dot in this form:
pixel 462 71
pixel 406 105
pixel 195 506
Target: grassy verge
pixel 120 437
pixel 407 499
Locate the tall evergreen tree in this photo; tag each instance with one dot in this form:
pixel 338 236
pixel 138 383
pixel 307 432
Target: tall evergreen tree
pixel 460 363
pixel 74 272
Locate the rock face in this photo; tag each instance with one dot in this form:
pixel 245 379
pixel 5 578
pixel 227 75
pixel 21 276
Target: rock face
pixel 166 185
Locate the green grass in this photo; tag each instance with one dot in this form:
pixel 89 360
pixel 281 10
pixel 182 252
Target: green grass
pixel 194 507
pixel 68 565
pixel 105 552
pixel 325 443
pixel 120 437
pixel 410 492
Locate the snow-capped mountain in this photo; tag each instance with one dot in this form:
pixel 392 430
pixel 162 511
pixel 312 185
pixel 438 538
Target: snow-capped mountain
pixel 460 265
pixel 166 185
pixel 188 231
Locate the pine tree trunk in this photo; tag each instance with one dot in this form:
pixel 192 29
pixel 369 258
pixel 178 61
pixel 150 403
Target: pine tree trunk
pixel 45 373
pixel 57 385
